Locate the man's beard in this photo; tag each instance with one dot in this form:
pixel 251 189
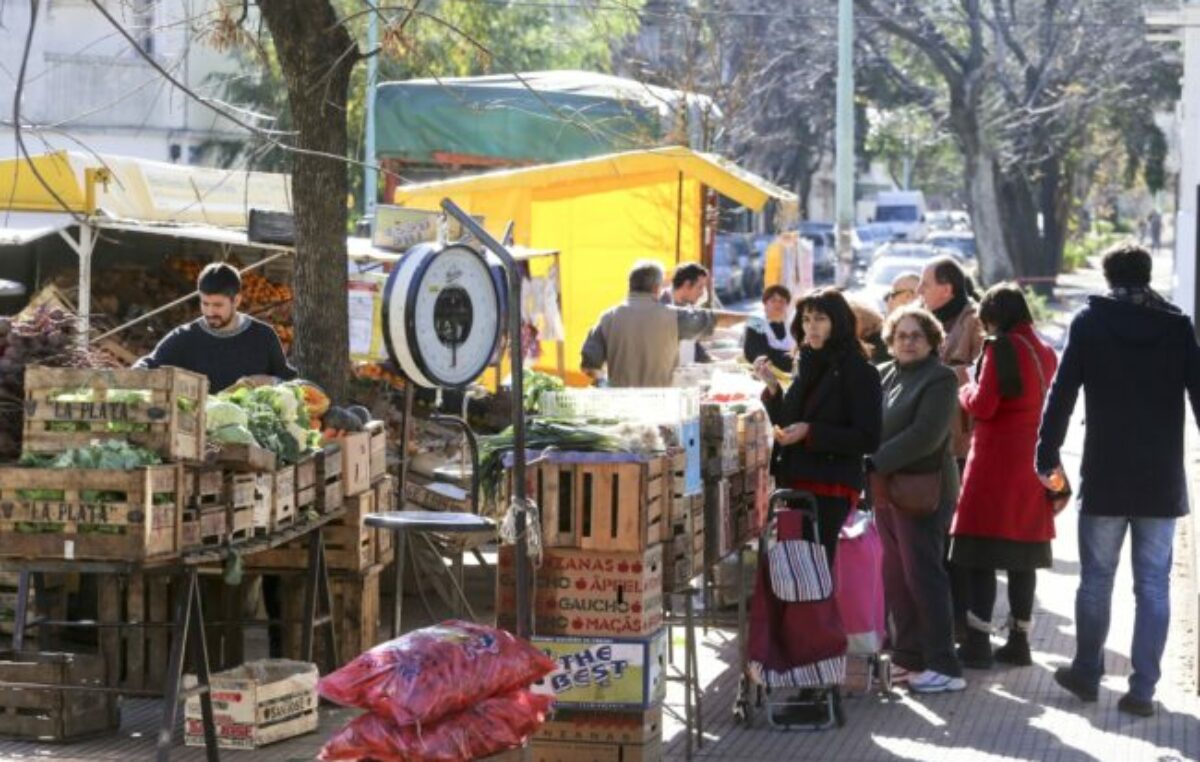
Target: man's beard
pixel 218 325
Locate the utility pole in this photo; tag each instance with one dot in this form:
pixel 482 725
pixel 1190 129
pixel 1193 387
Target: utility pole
pixel 370 180
pixel 844 210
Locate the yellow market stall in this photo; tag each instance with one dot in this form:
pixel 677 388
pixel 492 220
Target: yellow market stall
pixel 603 214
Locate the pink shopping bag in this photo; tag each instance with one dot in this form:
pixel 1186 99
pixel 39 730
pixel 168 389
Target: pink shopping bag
pixel 858 587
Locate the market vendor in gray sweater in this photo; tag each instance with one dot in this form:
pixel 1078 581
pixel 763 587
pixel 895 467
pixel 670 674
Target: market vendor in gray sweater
pixel 223 344
pixel 920 397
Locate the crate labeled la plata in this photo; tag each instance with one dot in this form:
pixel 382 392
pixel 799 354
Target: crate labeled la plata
pixel 161 410
pixel 92 514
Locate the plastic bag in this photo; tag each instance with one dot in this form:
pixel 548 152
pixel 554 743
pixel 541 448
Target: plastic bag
pixel 491 726
pixel 430 673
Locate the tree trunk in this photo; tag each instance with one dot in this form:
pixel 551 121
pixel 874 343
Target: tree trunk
pixel 995 263
pixel 316 56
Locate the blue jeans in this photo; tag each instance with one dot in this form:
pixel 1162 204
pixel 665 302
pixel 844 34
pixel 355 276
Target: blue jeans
pixel 1100 541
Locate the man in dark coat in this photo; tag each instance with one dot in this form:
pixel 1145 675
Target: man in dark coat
pixel 1135 356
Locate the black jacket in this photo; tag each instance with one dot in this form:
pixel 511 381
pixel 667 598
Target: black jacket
pixel 844 413
pixel 1134 364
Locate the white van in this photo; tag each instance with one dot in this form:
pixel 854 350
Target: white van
pixel 903 212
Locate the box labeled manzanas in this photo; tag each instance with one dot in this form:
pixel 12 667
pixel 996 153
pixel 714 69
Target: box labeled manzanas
pixel 256 704
pixel 579 592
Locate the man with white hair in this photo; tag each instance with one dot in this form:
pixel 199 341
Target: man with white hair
pixel 638 341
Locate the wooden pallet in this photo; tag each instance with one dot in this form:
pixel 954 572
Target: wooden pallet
pixel 160 409
pixel 50 714
pixel 91 514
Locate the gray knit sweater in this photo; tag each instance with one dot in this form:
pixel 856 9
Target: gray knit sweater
pixel 919 401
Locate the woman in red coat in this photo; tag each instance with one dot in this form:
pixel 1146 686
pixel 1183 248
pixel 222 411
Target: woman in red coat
pixel 1004 518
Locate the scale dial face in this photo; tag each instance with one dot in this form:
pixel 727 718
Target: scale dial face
pixel 444 313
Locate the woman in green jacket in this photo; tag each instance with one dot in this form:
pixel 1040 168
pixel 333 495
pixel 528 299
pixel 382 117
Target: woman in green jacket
pixel 920 396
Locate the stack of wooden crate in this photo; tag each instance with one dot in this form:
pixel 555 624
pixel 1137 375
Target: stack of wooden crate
pixel 99 514
pixel 754 451
pixel 683 555
pixel 353 476
pixel 598 602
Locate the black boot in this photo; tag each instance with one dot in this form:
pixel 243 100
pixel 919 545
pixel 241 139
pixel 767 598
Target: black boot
pixel 976 652
pixel 1016 650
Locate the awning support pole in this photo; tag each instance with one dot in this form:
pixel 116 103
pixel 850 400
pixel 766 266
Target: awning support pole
pixel 83 248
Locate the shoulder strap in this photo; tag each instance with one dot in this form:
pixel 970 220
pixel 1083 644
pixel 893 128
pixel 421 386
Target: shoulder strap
pixel 1037 361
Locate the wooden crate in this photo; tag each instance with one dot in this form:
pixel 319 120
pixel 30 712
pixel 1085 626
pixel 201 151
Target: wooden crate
pixel 257 704
pixel 356 614
pixel 241 495
pixel 349 543
pixel 385 500
pixel 204 526
pixel 306 482
pixel 581 592
pixel 249 458
pixel 754 440
pixel 264 484
pixel 718 522
pixel 161 409
pixel 609 506
pixel 50 714
pixel 436 496
pixel 356 463
pixel 377 450
pixel 91 514
pixel 283 498
pixel 328 488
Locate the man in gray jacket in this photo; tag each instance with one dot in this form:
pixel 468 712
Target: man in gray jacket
pixel 638 341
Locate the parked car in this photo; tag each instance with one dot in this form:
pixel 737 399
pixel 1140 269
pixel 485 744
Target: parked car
pixel 877 283
pixel 868 238
pixel 961 241
pixel 954 219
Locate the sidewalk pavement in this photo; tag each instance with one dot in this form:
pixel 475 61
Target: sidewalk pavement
pixel 1004 714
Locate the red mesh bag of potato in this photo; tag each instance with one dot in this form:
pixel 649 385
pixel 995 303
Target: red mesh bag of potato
pixel 491 726
pixel 430 673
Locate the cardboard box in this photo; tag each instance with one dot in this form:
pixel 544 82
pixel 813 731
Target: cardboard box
pixel 605 673
pixel 256 704
pixel 581 592
pixel 603 727
pixel 570 751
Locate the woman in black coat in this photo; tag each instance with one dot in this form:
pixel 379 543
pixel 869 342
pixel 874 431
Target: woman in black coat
pixel 829 419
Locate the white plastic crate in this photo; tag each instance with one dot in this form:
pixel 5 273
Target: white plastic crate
pixel 665 405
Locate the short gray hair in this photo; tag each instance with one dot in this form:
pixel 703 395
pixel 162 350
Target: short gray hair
pixel 646 277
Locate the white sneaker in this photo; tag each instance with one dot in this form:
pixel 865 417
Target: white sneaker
pixel 935 682
pixel 901 675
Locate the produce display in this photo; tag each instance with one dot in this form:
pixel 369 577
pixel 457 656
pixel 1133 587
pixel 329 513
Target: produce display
pixel 277 418
pixel 540 434
pixel 536 384
pixel 110 454
pixel 46 337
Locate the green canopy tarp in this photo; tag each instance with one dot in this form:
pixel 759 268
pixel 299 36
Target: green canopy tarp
pixel 538 117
